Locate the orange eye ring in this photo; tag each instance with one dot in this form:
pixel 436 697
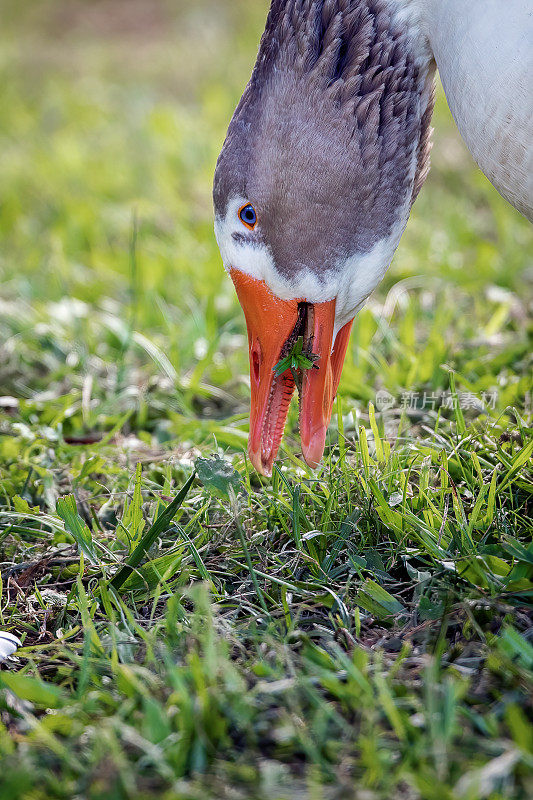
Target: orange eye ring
pixel 248 216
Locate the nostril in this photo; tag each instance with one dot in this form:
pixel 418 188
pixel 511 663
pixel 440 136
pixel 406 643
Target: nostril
pixel 255 364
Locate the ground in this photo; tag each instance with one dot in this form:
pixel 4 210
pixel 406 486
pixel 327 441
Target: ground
pixel 189 629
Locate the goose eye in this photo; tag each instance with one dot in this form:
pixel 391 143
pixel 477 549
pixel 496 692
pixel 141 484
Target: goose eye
pixel 248 216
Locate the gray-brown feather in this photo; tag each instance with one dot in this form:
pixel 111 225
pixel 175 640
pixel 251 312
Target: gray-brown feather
pixel 325 136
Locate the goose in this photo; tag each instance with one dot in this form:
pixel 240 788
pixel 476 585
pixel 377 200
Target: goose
pixel 324 157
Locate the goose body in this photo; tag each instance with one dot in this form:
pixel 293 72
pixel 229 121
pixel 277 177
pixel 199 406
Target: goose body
pixel 326 154
pixel 484 54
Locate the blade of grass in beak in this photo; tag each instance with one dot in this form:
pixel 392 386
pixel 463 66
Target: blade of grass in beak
pixel 161 524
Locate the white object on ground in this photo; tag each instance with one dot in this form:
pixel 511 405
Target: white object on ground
pixel 8 645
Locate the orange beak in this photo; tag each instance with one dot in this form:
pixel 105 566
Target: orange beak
pixel 273 326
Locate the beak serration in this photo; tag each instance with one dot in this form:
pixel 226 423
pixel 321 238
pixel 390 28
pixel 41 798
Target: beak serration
pixel 274 326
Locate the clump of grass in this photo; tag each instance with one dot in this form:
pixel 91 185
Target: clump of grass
pixel 381 605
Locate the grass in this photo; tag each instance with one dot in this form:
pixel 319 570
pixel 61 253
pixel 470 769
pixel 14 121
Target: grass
pixel 189 629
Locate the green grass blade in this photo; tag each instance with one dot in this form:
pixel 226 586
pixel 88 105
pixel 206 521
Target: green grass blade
pixel 161 524
pixel 67 510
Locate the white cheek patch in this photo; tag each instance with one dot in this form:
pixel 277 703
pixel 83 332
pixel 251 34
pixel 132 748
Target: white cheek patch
pixel 350 281
pixel 256 260
pixel 253 258
pixel 361 273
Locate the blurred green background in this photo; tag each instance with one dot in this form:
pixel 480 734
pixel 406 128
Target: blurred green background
pixel 113 113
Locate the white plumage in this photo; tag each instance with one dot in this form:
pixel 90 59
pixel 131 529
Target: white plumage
pixel 8 645
pixel 484 54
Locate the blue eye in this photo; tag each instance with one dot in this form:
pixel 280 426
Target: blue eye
pixel 248 216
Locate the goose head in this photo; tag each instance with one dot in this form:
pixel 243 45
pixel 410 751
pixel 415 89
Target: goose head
pixel 322 161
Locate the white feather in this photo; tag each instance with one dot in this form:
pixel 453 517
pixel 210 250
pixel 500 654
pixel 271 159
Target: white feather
pixel 484 53
pixel 8 645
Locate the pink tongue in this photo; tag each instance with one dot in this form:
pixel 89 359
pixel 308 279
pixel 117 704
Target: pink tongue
pixel 276 415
